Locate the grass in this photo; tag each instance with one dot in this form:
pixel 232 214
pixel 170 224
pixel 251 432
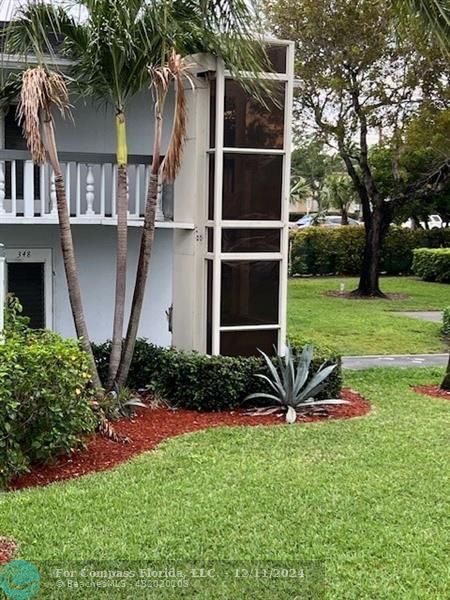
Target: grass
pixel 365 499
pixel 357 327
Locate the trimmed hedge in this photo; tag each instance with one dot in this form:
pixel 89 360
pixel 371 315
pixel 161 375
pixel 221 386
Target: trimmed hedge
pixel 446 321
pixel 432 264
pixel 44 400
pixel 329 251
pixel 205 383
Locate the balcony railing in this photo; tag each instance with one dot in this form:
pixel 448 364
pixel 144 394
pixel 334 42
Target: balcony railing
pixel 27 191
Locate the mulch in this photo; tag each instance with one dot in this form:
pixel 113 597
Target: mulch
pixel 352 296
pixel 153 425
pixel 7 550
pixel 432 390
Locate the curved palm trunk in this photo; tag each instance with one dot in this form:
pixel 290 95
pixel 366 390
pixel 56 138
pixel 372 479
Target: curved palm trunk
pixel 66 241
pixel 122 249
pixel 148 235
pixel 445 385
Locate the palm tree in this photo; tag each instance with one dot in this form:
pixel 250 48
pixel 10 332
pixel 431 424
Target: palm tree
pixel 110 68
pixel 339 193
pixel 145 45
pixel 41 91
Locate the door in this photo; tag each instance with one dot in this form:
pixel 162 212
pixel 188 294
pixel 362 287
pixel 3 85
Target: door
pixel 29 278
pixel 27 282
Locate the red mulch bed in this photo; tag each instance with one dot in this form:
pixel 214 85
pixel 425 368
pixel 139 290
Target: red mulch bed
pixel 151 426
pixel 7 550
pixel 432 390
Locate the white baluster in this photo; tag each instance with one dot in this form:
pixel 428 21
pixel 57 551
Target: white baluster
pixel 159 211
pixel 53 209
pixel 102 189
pixel 28 189
pixel 90 190
pixel 2 189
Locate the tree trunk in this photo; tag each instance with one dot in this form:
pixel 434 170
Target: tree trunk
pixel 369 281
pixel 344 217
pixel 121 273
pixel 66 241
pixel 148 235
pixel 445 385
pixel 122 246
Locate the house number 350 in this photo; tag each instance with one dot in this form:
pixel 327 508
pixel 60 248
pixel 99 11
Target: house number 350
pixel 23 253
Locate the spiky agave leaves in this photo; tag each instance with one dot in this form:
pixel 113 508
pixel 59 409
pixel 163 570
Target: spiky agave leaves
pixel 41 89
pixel 175 70
pixel 294 389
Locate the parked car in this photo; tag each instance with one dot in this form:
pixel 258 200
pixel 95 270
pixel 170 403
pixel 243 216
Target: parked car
pixel 322 221
pixel 434 222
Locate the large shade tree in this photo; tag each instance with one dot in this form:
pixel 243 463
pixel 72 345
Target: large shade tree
pixel 356 79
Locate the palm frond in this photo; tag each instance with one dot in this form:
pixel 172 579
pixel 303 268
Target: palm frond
pixel 41 89
pixel 433 15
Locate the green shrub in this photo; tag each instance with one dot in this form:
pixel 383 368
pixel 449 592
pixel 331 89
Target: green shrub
pixel 208 383
pixel 327 251
pixel 432 264
pixel 44 399
pixel 446 321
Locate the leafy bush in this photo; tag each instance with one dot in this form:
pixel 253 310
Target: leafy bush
pixel 446 321
pixel 326 251
pixel 44 399
pixel 432 264
pixel 209 383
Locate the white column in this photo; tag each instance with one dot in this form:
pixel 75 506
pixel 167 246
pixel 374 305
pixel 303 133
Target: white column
pixel 2 292
pixel 90 191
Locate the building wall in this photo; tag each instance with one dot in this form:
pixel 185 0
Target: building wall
pixel 92 128
pixel 95 251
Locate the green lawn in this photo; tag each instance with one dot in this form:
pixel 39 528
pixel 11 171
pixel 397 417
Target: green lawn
pixel 366 499
pixel 367 326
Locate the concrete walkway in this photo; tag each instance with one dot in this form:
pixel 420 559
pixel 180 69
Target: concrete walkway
pixel 395 360
pixel 424 315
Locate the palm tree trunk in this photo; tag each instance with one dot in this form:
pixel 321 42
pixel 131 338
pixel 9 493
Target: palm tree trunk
pixel 148 234
pixel 445 385
pixel 122 249
pixel 66 241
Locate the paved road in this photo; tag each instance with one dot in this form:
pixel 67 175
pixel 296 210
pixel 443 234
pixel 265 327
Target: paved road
pixel 395 360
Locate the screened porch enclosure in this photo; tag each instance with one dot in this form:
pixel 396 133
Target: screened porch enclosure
pixel 247 222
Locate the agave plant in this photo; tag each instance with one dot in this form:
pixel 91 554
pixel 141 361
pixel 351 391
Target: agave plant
pixel 295 390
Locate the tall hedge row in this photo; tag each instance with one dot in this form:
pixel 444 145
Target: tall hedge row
pixel 326 251
pixel 432 264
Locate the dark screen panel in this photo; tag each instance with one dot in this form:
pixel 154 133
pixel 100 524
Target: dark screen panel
pixel 250 291
pixel 247 343
pixel 209 300
pixel 252 186
pixel 277 57
pixel 250 124
pixel 250 240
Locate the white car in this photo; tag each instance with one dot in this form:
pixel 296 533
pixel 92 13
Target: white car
pixel 434 222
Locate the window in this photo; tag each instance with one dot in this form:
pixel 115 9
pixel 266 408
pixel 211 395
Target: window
pixel 250 124
pixel 252 187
